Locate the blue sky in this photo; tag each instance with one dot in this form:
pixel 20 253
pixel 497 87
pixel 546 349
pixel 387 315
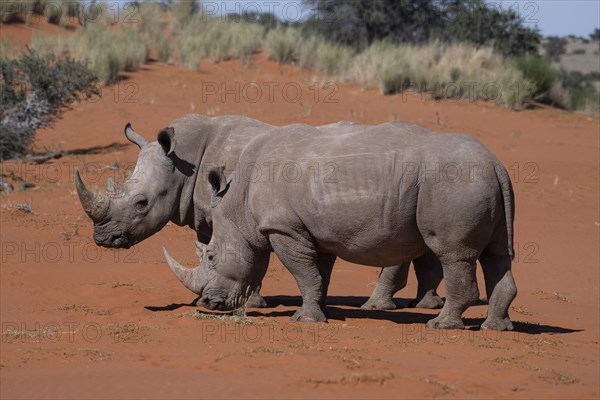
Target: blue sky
pixel 557 17
pixel 553 17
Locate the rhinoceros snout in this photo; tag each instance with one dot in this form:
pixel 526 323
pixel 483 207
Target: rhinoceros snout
pixel 212 303
pixel 115 240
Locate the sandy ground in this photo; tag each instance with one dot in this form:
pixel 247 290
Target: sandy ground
pixel 79 321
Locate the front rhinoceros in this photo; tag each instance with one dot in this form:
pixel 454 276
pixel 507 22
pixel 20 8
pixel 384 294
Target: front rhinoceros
pixel 397 195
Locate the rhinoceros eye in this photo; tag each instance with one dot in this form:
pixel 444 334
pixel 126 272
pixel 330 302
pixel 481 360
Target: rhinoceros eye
pixel 141 204
pixel 211 260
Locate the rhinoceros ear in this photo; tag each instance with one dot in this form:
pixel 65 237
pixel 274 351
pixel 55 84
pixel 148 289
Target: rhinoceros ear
pixel 219 184
pixel 166 138
pixel 134 137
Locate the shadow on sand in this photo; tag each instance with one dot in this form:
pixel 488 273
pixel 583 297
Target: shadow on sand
pixel 403 315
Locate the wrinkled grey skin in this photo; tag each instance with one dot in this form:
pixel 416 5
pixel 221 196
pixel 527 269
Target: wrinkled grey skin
pixel 166 186
pixel 389 203
pixel 392 279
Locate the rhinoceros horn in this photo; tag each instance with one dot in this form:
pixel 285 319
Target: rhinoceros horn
pixel 93 204
pixel 111 185
pixel 134 137
pixel 113 189
pixel 188 276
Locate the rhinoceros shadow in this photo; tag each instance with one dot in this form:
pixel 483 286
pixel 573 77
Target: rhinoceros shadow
pixel 402 315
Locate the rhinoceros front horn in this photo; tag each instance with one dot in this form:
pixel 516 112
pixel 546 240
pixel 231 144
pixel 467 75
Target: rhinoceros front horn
pixel 93 204
pixel 188 276
pixel 134 137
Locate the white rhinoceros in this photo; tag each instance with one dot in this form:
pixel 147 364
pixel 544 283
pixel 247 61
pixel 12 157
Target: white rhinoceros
pixel 397 194
pixel 169 184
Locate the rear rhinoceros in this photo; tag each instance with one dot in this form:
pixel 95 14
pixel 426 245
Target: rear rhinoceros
pixel 169 184
pixel 397 195
pixel 166 183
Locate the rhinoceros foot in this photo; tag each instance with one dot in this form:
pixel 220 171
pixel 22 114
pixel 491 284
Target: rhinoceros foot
pixel 309 314
pixel 256 301
pixel 445 322
pixel 498 324
pixel 430 301
pixel 379 303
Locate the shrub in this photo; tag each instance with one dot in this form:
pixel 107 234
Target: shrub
pixel 359 23
pixel 484 24
pixel 537 71
pixel 182 11
pixel 54 11
pixel 282 44
pixel 441 70
pixel 153 31
pixel 395 79
pixel 48 44
pixel 164 49
pixel 7 49
pixel 107 52
pixel 332 59
pixel 555 47
pixel 367 67
pixel 329 58
pixel 33 89
pixel 218 40
pixel 101 50
pixel 580 93
pixel 11 12
pixel 515 90
pixel 557 96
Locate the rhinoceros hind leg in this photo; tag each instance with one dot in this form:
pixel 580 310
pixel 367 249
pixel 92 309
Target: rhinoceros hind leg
pixel 462 291
pixel 429 275
pixel 391 279
pixel 501 291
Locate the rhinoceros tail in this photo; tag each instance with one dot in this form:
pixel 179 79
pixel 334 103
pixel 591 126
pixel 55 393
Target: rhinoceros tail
pixel 508 196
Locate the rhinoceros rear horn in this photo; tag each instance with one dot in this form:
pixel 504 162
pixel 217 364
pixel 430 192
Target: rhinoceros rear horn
pixel 134 137
pixel 93 204
pixel 187 276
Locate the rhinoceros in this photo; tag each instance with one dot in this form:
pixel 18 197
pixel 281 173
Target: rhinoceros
pixel 397 194
pixel 168 185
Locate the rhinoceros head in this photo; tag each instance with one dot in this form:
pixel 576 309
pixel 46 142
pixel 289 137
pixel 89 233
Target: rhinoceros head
pixel 131 212
pixel 230 269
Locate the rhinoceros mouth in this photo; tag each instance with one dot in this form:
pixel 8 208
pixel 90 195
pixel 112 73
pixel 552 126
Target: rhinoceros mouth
pixel 122 243
pixel 114 241
pixel 214 303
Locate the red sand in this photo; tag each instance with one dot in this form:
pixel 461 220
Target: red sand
pixel 79 321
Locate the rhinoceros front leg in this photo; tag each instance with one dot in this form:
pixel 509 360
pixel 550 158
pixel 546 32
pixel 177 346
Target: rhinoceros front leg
pixel 391 279
pixel 256 300
pixel 299 256
pixel 429 275
pixel 325 266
